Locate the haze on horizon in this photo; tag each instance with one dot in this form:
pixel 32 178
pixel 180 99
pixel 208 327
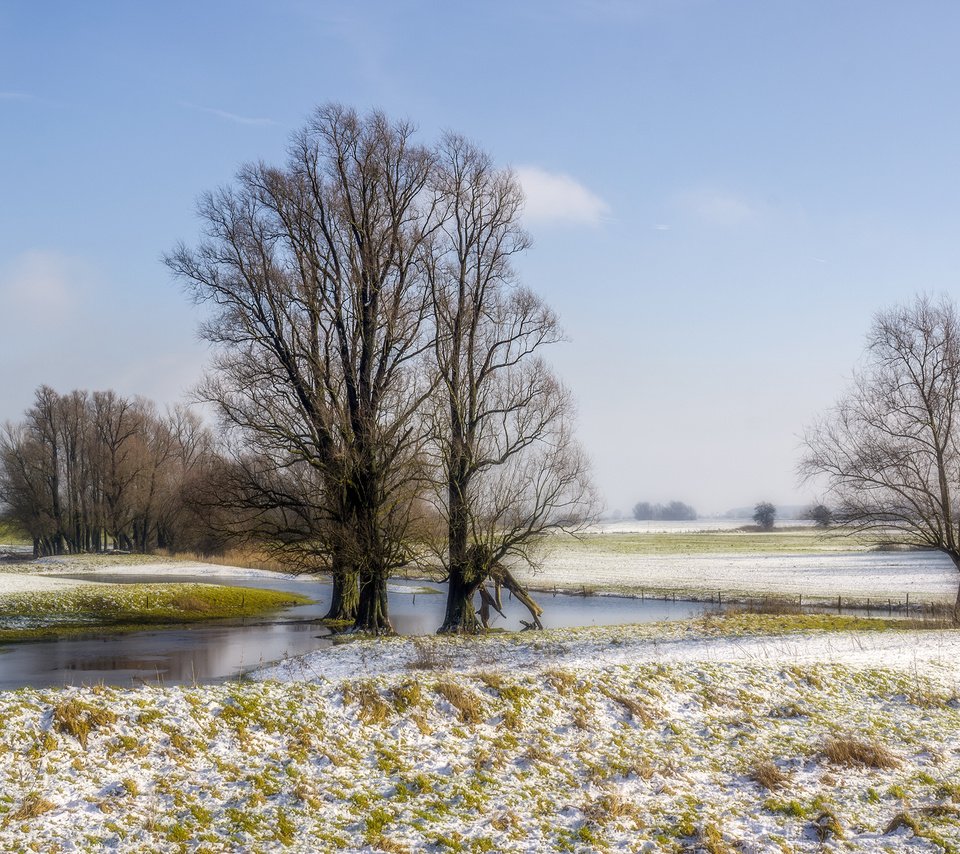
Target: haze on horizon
pixel 720 200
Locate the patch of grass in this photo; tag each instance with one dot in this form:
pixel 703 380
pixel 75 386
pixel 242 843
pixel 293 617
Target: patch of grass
pixel 469 705
pixel 794 541
pixel 769 775
pixel 33 805
pixel 610 807
pixel 129 607
pixel 854 753
pixel 372 708
pixel 426 655
pixel 12 535
pixel 79 719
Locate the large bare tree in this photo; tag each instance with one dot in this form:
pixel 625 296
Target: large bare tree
pixel 511 470
pixel 889 450
pixel 321 325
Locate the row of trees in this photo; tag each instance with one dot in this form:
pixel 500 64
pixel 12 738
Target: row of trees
pixel 378 372
pixel 84 472
pixel 675 511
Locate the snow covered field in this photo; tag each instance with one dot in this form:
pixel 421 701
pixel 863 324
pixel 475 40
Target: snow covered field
pixel 109 564
pixel 721 734
pixel 930 652
pixel 859 575
pixel 634 526
pixel 594 740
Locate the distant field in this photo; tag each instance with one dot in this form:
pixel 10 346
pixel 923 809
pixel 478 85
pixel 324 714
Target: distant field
pixel 817 565
pixel 793 540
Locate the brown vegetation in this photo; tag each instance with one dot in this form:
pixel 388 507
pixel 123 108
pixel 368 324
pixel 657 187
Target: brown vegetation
pixel 847 750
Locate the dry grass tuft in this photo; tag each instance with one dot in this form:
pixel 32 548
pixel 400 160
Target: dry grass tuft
pixel 245 557
pixel 388 845
pixel 373 709
pixel 854 753
pixel 32 806
pixel 768 775
pixel 610 807
pixel 492 679
pixel 468 704
pixel 636 709
pixel 426 655
pixel 406 696
pixel 79 720
pixel 563 681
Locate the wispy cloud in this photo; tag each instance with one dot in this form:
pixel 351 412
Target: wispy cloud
pixel 718 207
pixel 236 118
pixel 15 96
pixel 556 197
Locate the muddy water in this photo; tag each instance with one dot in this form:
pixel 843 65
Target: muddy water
pixel 223 650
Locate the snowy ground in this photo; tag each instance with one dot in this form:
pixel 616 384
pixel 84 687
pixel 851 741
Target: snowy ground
pixel 39 576
pixel 930 652
pixel 630 526
pixel 594 740
pixel 31 583
pixel 108 564
pixel 861 575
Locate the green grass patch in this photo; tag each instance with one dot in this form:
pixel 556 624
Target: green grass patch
pixel 793 541
pixel 129 607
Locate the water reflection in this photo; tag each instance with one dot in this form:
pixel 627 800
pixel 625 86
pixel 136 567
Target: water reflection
pixel 206 653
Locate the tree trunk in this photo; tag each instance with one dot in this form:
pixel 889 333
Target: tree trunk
pixel 372 611
pixel 346 594
pixel 461 616
pixel 502 576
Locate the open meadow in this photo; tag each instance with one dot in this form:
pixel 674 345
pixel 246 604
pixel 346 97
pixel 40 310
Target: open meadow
pixel 791 563
pixel 727 732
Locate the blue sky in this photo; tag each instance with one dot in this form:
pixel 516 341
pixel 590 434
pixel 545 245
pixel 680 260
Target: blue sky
pixel 721 192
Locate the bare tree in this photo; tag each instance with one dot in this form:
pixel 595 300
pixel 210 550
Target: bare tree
pixel 83 470
pixel 888 451
pixel 511 470
pixel 321 325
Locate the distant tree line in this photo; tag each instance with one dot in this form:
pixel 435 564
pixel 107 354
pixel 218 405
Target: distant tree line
pixel 674 511
pixel 86 472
